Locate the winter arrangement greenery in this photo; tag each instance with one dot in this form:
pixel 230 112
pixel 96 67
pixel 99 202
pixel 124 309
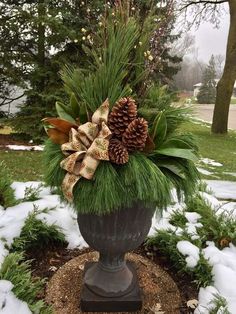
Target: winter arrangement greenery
pixel 113 145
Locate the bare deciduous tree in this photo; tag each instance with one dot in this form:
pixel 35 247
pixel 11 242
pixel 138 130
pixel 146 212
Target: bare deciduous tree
pixel 211 10
pixel 184 45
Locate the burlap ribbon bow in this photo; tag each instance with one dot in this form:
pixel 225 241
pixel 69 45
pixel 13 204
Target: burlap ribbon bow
pixel 86 147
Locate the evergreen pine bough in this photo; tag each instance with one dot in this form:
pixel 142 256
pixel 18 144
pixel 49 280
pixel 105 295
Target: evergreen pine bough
pixel 148 176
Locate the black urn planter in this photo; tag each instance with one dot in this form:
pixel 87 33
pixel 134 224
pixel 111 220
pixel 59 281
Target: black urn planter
pixel 111 283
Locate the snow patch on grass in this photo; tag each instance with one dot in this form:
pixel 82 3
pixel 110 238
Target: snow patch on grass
pixel 13 218
pixel 24 147
pixel 224 274
pixel 3 252
pixel 205 172
pixel 9 304
pixel 225 190
pixel 191 251
pixel 210 162
pixel 20 188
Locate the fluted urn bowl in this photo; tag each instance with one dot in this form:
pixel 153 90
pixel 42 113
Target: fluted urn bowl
pixel 113 235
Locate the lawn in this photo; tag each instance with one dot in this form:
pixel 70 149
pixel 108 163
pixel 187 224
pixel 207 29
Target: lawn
pixel 233 101
pixel 23 165
pixel 28 166
pixel 221 148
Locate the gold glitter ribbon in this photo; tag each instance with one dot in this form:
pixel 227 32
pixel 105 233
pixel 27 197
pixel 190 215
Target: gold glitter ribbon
pixel 86 147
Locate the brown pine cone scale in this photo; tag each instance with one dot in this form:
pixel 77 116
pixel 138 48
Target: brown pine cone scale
pixel 135 136
pixel 122 114
pixel 118 154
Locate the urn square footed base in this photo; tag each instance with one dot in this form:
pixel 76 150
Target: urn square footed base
pixel 91 302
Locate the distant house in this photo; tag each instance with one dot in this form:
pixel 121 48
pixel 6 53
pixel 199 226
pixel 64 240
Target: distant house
pixel 196 89
pixel 197 86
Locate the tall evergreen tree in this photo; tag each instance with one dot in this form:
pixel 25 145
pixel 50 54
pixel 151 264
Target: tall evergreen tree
pixel 38 37
pixel 207 92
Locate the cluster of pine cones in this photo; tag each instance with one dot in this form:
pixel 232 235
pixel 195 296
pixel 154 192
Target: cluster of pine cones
pixel 129 132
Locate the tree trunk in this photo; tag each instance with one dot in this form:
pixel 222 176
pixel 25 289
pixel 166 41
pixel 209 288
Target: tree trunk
pixel 226 83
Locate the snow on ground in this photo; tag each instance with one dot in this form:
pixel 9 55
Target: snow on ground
pixel 191 251
pixel 224 274
pixel 12 221
pixel 201 122
pixel 205 172
pixel 225 190
pixel 13 218
pixel 163 223
pixel 193 224
pixel 223 261
pixel 20 188
pixel 211 165
pixel 59 214
pixel 3 252
pixel 210 162
pixel 9 304
pixel 23 147
pixel 233 174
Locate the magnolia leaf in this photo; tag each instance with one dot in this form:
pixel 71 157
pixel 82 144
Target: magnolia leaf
pixel 178 152
pixel 159 128
pixel 176 143
pixel 64 112
pixel 60 124
pixel 57 136
pixel 173 167
pixel 149 145
pixel 74 106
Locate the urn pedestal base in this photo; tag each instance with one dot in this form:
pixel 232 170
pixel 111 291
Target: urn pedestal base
pixel 92 302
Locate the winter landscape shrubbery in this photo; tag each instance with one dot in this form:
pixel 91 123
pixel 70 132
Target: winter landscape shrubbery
pixel 197 237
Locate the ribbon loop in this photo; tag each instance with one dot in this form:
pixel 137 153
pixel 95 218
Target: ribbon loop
pixel 86 147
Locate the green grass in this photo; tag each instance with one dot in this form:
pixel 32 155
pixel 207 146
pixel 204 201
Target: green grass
pixel 233 101
pixel 26 166
pixel 23 165
pixel 221 148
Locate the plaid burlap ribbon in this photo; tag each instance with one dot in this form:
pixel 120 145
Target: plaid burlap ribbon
pixel 86 147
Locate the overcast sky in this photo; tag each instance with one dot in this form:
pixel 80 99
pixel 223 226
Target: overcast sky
pixel 210 40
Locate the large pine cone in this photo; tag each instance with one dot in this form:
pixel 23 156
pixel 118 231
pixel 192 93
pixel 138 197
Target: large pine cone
pixel 118 154
pixel 135 135
pixel 122 114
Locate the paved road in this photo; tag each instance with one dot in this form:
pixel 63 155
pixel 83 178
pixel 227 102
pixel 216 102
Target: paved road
pixel 205 112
